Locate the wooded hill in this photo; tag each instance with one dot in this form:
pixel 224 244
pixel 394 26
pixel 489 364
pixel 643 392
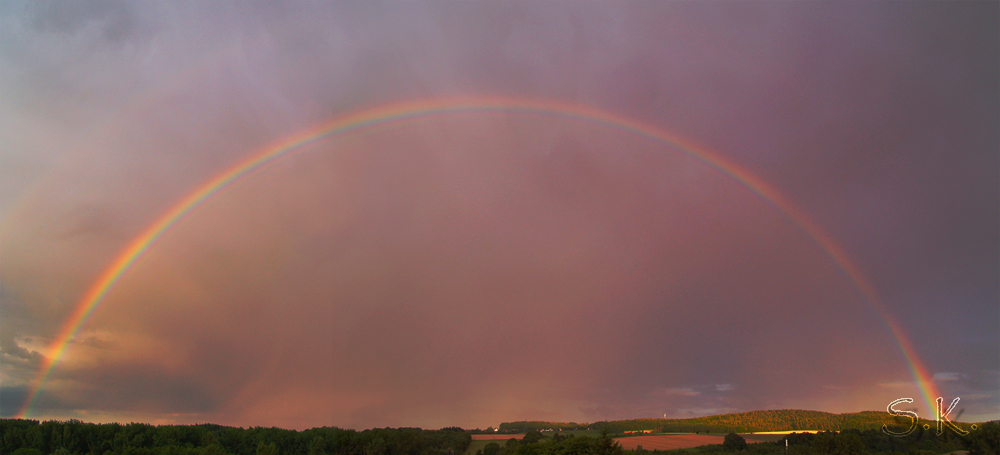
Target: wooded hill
pixel 743 422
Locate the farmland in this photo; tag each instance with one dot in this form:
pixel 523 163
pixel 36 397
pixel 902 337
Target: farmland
pixel 686 440
pixel 669 441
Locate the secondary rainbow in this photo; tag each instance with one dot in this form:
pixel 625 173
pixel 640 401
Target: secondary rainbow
pixel 391 114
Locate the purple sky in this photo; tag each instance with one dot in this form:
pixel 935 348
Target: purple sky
pixel 473 269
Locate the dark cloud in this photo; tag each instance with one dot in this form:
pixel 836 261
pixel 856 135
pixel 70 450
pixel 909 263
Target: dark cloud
pixel 10 347
pixel 11 398
pixel 114 19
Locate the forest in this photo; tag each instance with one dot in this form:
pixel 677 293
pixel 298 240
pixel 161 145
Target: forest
pixel 31 437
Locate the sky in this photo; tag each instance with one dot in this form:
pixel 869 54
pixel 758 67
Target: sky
pixel 477 266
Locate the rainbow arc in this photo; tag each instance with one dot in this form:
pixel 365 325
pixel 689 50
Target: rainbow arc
pixel 384 116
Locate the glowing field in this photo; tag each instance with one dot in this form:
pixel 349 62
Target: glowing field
pixel 685 440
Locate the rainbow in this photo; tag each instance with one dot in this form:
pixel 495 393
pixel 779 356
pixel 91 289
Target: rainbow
pixel 392 114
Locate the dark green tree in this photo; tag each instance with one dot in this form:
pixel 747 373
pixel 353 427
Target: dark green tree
pixel 845 443
pixel 531 436
pixel 267 449
pixel 510 447
pixel 317 446
pixel 605 445
pixel 733 442
pixel 491 449
pixel 984 439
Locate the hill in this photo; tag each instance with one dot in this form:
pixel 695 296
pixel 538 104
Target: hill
pixel 743 422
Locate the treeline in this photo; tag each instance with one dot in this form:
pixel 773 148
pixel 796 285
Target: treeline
pixel 744 422
pixel 983 441
pixel 29 437
pixel 877 442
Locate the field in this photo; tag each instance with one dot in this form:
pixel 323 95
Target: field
pixel 480 440
pixel 672 441
pixel 668 441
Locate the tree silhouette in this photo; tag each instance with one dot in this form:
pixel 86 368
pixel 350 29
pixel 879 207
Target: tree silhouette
pixel 491 449
pixel 734 442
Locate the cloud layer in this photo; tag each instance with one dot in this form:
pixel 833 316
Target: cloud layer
pixel 471 269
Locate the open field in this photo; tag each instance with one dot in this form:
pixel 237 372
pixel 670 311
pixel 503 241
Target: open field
pixel 479 441
pixel 494 437
pixel 672 441
pixel 591 433
pixel 669 441
pixel 650 442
